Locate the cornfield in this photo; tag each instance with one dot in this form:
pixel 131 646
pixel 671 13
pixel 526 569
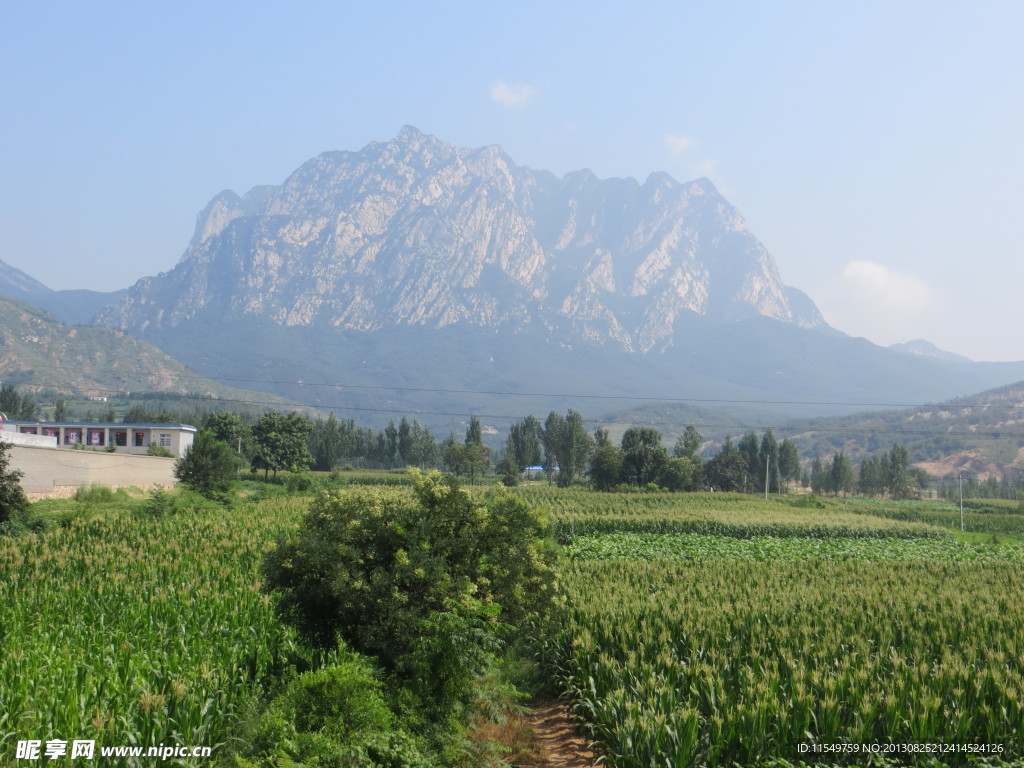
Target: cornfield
pixel 712 663
pixel 699 630
pixel 583 513
pixel 720 647
pixel 138 632
pixel 641 546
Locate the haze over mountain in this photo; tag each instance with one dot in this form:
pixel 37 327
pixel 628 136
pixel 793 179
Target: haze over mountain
pixel 76 307
pixel 38 353
pixel 413 276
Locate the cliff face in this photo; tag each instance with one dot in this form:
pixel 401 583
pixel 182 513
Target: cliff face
pixel 416 232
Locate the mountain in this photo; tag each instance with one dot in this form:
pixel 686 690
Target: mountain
pixel 17 285
pixel 75 307
pixel 37 352
pixel 419 233
pixel 413 276
pixel 924 348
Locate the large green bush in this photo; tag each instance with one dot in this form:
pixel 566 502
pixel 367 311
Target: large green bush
pixel 424 582
pixel 334 716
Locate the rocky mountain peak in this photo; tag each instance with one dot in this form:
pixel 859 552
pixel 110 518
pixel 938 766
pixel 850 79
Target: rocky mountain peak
pixel 417 232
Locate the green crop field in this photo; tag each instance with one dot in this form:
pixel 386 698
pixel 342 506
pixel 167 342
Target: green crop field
pixel 720 630
pixel 698 630
pixel 579 513
pixel 132 630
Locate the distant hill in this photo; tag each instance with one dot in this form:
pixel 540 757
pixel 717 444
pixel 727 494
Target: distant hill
pixel 16 284
pixel 923 348
pixel 981 435
pixel 38 353
pixel 74 307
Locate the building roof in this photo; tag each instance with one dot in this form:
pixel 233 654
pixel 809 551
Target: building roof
pixel 96 424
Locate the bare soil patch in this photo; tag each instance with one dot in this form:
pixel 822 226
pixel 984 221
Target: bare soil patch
pixel 545 735
pixel 559 738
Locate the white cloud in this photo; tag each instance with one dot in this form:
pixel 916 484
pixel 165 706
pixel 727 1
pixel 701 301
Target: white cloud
pixel 704 167
pixel 882 304
pixel 677 145
pixel 514 96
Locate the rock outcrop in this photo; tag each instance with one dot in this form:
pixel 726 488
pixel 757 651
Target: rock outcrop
pixel 416 232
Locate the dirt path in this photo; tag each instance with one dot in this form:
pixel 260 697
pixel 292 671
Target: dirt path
pixel 562 745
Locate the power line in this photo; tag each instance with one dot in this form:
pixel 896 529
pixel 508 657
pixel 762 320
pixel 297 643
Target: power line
pixel 603 421
pixel 579 396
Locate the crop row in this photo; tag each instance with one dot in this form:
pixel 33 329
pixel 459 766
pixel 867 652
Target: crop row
pixel 646 547
pixel 947 516
pixel 578 512
pixel 716 662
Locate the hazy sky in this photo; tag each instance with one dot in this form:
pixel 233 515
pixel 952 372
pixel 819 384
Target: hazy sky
pixel 876 148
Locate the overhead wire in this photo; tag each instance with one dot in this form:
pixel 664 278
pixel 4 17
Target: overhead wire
pixel 794 429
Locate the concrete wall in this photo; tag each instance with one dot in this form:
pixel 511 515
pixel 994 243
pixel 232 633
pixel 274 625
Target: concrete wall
pixel 38 441
pixel 59 472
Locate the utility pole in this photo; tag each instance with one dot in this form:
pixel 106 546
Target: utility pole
pixel 960 479
pixel 767 458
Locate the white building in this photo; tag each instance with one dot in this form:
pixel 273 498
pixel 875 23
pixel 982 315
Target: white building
pixel 124 438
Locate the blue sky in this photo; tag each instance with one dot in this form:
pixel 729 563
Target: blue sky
pixel 876 148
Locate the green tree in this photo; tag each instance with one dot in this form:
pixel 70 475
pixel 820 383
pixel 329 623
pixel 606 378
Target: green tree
pixel 391 455
pixel 726 470
pixel 789 461
pixel 12 497
pixel 477 456
pixel 821 477
pixel 508 470
pixel 753 467
pixel 209 466
pixel 325 443
pixel 60 411
pixel 843 478
pixel 454 455
pixel 524 446
pixel 900 481
pixel 602 438
pixel 424 584
pixel 678 474
pixel 872 476
pixel 605 467
pixel 574 447
pixel 17 406
pixel 688 447
pixel 282 442
pixel 554 426
pixel 643 457
pixel 688 444
pixel 406 442
pixel 424 446
pixel 230 428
